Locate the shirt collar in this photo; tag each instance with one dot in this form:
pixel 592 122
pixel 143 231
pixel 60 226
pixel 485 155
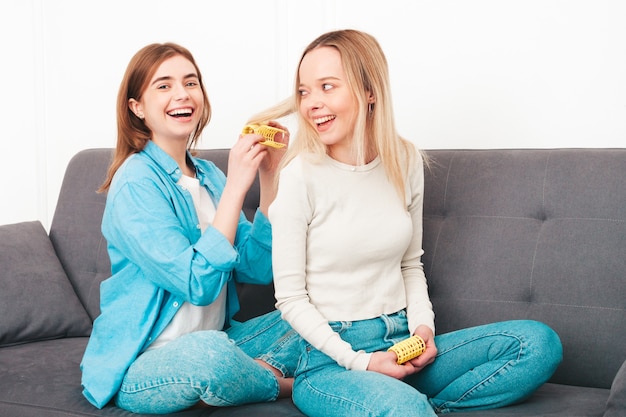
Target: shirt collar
pixel 167 162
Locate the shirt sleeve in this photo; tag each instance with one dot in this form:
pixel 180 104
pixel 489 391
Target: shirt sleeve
pixel 254 246
pixel 148 226
pixel 253 241
pixel 290 213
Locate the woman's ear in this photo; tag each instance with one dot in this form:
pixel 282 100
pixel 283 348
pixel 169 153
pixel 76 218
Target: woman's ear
pixel 370 103
pixel 136 108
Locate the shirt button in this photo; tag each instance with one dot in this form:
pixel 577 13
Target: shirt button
pixel 178 171
pixel 197 226
pixel 175 304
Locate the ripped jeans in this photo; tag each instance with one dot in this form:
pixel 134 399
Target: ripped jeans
pixel 477 368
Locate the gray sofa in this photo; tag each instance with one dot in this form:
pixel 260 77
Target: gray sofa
pixel 537 234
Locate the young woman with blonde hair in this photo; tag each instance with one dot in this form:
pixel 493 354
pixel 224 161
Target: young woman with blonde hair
pixel 347 223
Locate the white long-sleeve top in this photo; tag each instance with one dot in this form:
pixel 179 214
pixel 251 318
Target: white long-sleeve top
pixel 345 248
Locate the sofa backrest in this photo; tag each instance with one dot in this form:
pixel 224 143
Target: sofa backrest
pixel 75 229
pixel 508 234
pixel 532 234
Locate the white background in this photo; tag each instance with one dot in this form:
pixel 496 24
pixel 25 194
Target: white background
pixel 464 73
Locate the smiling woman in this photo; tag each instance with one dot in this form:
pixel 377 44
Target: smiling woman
pixel 348 275
pixel 329 105
pixel 171 107
pixel 152 69
pixel 178 243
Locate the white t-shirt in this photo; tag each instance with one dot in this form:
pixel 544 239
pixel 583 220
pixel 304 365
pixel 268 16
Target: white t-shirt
pixel 191 318
pixel 346 248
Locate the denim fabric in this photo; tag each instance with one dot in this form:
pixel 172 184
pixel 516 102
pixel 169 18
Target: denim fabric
pixel 217 367
pixel 477 368
pixel 160 258
pixel 489 366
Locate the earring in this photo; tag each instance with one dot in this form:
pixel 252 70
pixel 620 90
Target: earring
pixel 370 108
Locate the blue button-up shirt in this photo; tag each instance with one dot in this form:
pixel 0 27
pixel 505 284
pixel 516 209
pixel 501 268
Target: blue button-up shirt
pixel 160 259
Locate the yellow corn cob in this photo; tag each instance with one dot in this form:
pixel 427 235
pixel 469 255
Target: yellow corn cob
pixel 408 349
pixel 268 132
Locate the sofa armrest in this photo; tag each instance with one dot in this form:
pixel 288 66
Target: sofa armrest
pixel 616 405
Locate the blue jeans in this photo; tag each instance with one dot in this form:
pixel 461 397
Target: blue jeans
pixel 216 367
pixel 477 368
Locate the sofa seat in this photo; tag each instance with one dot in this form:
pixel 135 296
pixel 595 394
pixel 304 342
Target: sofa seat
pixel 43 379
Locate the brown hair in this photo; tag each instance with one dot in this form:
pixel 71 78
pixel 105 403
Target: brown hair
pixel 132 132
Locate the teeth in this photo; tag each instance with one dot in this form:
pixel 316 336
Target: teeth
pixel 324 119
pixel 180 112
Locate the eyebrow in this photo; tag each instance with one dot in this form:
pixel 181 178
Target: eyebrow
pixel 169 77
pixel 329 78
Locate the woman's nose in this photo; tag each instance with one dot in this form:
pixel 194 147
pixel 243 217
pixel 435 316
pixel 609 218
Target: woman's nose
pixel 315 102
pixel 181 92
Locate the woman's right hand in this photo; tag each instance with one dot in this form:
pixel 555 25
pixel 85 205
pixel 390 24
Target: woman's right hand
pixel 385 363
pixel 243 162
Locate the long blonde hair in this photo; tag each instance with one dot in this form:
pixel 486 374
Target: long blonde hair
pixel 367 74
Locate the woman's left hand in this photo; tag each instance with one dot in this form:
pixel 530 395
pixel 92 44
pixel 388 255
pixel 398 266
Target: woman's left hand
pixel 273 156
pixel 268 166
pixel 430 353
pixel 385 362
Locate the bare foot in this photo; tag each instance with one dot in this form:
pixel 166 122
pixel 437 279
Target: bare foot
pixel 201 405
pixel 285 385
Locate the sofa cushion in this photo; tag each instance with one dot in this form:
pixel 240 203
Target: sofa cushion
pixel 37 301
pixel 616 405
pixel 532 234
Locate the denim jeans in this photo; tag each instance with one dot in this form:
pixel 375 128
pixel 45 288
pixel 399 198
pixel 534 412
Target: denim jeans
pixel 217 367
pixel 477 368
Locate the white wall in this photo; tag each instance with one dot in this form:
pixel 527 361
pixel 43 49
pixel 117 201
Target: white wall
pixel 465 73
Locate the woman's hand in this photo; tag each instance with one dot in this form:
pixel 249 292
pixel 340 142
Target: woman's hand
pixel 430 353
pixel 273 156
pixel 386 362
pixel 244 160
pixel 269 166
